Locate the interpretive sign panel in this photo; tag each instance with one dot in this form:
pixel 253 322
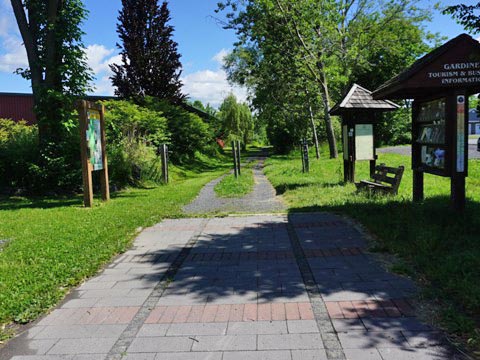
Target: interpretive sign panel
pixel 364 142
pixel 94 139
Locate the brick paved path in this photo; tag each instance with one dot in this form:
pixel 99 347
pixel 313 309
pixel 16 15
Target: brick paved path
pixel 259 287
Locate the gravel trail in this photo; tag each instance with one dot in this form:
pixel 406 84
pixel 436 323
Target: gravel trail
pixel 261 200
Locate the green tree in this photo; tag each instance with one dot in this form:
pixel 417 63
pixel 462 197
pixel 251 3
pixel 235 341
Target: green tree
pixel 58 72
pixel 237 120
pixel 290 49
pixel 150 59
pixel 466 15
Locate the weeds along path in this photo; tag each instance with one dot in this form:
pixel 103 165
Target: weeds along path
pixel 261 200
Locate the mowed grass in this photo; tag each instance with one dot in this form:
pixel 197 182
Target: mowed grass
pixel 232 187
pixel 439 246
pixel 54 244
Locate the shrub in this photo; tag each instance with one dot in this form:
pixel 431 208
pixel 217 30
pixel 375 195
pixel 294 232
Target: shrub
pixel 124 119
pixel 189 133
pixel 132 162
pixel 18 155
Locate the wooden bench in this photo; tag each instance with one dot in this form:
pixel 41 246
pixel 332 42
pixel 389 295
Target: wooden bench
pixel 385 179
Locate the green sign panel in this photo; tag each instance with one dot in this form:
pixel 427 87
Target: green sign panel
pixel 94 139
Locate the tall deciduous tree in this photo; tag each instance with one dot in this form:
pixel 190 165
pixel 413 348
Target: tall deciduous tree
pixel 324 44
pixel 57 63
pixel 150 60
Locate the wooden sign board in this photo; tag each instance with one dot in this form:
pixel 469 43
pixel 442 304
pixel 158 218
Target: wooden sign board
pixel 93 149
pixel 440 84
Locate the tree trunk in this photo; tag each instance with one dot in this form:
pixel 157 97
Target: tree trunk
pixel 332 142
pixel 314 127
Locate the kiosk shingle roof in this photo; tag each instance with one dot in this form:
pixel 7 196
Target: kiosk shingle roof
pixel 359 98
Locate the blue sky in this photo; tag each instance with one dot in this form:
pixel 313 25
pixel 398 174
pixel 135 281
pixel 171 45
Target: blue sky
pixel 202 43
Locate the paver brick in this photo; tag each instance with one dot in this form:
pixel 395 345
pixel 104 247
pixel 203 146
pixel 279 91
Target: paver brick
pixel 255 328
pixel 155 330
pixel 302 326
pixel 319 354
pixel 190 356
pixel 225 343
pixel 236 312
pixel 257 355
pixel 290 342
pixel 182 314
pixel 160 344
pixel 250 312
pixel 292 312
pixel 82 346
pixel 209 313
pixel 193 329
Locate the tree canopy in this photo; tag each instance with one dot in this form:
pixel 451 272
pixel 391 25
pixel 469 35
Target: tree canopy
pixel 150 61
pixel 298 57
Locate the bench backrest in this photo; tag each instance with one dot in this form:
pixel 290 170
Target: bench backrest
pixel 383 175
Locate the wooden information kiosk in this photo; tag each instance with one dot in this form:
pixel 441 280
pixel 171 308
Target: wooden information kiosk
pixel 93 149
pixel 358 111
pixel 440 84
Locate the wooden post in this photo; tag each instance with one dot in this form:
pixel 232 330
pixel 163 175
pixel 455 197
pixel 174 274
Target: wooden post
pixel 234 152
pixel 86 165
pixel 104 183
pixel 303 157
pixel 164 158
pixel 306 155
pixel 239 158
pixel 418 193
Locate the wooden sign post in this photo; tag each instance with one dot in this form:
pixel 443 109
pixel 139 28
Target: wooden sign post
pixel 440 84
pixel 93 149
pixel 235 162
pixel 239 158
pixel 305 157
pixel 164 158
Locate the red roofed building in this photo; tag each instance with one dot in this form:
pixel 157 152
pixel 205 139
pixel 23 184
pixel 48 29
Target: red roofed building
pixel 17 107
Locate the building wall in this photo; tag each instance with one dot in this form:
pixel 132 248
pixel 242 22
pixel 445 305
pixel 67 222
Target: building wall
pixel 17 107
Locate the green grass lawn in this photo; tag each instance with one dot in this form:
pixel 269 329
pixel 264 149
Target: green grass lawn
pixel 231 187
pixel 440 247
pixel 54 244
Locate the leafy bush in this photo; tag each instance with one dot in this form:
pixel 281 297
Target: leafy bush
pixel 18 154
pixel 132 162
pixel 124 119
pixel 189 133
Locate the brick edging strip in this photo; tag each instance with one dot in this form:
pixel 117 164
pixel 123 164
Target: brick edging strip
pixel 331 342
pixel 128 335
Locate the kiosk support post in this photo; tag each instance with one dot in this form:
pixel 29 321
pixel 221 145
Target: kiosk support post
pixel 418 193
pixel 104 183
pixel 86 166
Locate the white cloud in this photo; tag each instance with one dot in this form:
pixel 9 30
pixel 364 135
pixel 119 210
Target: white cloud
pixel 12 52
pixel 211 87
pixel 99 58
pixel 220 56
pixel 14 55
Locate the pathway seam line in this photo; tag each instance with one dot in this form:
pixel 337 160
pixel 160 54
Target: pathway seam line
pixel 120 347
pixel 331 342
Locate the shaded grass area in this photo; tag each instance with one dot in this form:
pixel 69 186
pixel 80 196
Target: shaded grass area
pixel 51 244
pixel 441 248
pixel 232 187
